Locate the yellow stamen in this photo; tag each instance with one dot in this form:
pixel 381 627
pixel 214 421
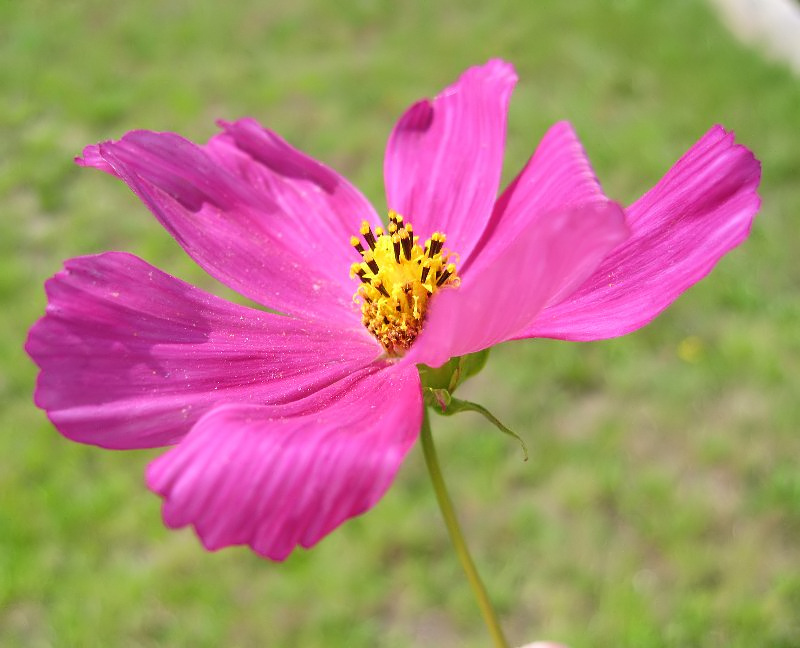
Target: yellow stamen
pixel 398 278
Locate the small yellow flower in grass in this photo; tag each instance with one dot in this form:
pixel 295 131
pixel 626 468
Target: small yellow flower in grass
pixel 691 349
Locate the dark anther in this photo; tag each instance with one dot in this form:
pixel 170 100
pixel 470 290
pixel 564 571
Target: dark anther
pixel 443 277
pixel 357 245
pixel 370 261
pixel 405 241
pixel 425 270
pixel 396 246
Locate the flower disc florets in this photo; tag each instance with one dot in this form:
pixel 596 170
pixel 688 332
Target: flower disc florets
pixel 398 276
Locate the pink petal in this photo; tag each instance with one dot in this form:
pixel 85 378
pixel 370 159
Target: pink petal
pixel 443 160
pixel 498 299
pixel 255 213
pixel 699 211
pixel 557 176
pixel 318 209
pixel 131 357
pixel 273 478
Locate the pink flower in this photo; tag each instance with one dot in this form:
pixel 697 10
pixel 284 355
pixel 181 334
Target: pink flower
pixel 285 426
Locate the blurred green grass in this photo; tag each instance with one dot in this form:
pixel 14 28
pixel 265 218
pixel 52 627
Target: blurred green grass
pixel 661 505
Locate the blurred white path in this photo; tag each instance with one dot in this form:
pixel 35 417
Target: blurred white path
pixel 772 26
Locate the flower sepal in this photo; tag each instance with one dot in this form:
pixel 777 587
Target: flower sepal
pixel 453 372
pixel 442 401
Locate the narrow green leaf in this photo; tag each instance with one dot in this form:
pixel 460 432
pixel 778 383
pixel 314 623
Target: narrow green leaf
pixel 442 401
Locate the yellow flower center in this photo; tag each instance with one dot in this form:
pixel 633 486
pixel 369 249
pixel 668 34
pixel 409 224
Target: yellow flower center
pixel 398 277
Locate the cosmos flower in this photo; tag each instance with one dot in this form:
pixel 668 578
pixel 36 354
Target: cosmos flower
pixel 287 423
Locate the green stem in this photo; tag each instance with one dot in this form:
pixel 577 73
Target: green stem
pixel 457 537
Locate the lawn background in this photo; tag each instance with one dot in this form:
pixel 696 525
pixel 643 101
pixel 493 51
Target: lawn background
pixel 661 504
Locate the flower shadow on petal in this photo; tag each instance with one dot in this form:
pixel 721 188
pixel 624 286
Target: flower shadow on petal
pixel 131 357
